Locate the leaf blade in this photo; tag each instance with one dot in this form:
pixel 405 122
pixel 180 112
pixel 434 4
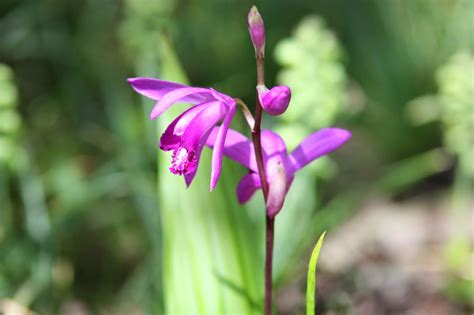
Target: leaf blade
pixel 311 282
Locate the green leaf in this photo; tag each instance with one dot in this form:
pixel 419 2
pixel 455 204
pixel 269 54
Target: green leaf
pixel 311 283
pixel 407 172
pixel 209 249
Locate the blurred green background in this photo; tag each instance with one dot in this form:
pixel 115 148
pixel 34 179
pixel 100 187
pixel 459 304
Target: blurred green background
pixel 85 230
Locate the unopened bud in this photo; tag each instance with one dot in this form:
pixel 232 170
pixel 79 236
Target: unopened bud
pixel 257 31
pixel 276 100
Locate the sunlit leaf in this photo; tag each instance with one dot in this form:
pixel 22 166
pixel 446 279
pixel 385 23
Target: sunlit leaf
pixel 311 282
pixel 209 249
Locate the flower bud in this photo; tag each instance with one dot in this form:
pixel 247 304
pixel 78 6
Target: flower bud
pixel 276 100
pixel 257 31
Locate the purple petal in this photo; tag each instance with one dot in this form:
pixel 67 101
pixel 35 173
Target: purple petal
pixel 247 187
pixel 236 147
pixel 153 88
pixel 186 94
pixel 189 177
pixel 272 143
pixel 193 139
pixel 278 187
pixel 316 145
pixel 274 149
pixel 219 147
pixel 202 124
pixel 222 97
pixel 172 135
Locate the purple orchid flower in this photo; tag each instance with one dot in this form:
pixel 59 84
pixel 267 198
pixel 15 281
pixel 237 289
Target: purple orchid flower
pixel 187 134
pixel 280 168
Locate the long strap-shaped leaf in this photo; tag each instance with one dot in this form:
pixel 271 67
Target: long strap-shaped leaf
pixel 311 283
pixel 210 256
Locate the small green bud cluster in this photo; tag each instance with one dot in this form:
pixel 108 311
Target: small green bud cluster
pixel 10 122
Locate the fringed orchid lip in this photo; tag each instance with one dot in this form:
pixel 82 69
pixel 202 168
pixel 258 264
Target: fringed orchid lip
pixel 280 168
pixel 183 161
pixel 187 134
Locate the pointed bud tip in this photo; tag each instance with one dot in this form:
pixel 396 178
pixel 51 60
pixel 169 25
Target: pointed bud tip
pixel 254 16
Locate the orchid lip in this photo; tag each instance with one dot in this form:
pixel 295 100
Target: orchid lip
pixel 183 161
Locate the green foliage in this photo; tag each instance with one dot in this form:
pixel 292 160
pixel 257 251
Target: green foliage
pixel 456 94
pixel 10 123
pixel 311 60
pixel 9 96
pixel 453 106
pixel 405 173
pixel 458 257
pixel 27 260
pixel 208 248
pixel 80 183
pixel 79 211
pixel 312 67
pixel 311 281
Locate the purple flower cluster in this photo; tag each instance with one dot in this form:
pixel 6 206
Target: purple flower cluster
pixel 280 167
pixel 197 126
pixel 207 122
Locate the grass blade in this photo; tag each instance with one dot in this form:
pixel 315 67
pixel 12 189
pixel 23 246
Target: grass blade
pixel 311 283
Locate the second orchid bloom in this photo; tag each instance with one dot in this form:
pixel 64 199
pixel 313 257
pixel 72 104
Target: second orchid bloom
pixel 280 168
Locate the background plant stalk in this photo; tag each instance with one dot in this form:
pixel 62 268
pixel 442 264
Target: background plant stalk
pixel 270 222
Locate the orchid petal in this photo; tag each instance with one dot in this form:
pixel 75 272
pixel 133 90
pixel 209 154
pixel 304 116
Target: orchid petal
pixel 202 124
pixel 222 97
pixel 189 177
pixel 198 131
pixel 153 88
pixel 272 143
pixel 219 147
pixel 171 137
pixel 278 187
pixel 316 145
pixel 186 94
pixel 274 149
pixel 247 186
pixel 236 147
